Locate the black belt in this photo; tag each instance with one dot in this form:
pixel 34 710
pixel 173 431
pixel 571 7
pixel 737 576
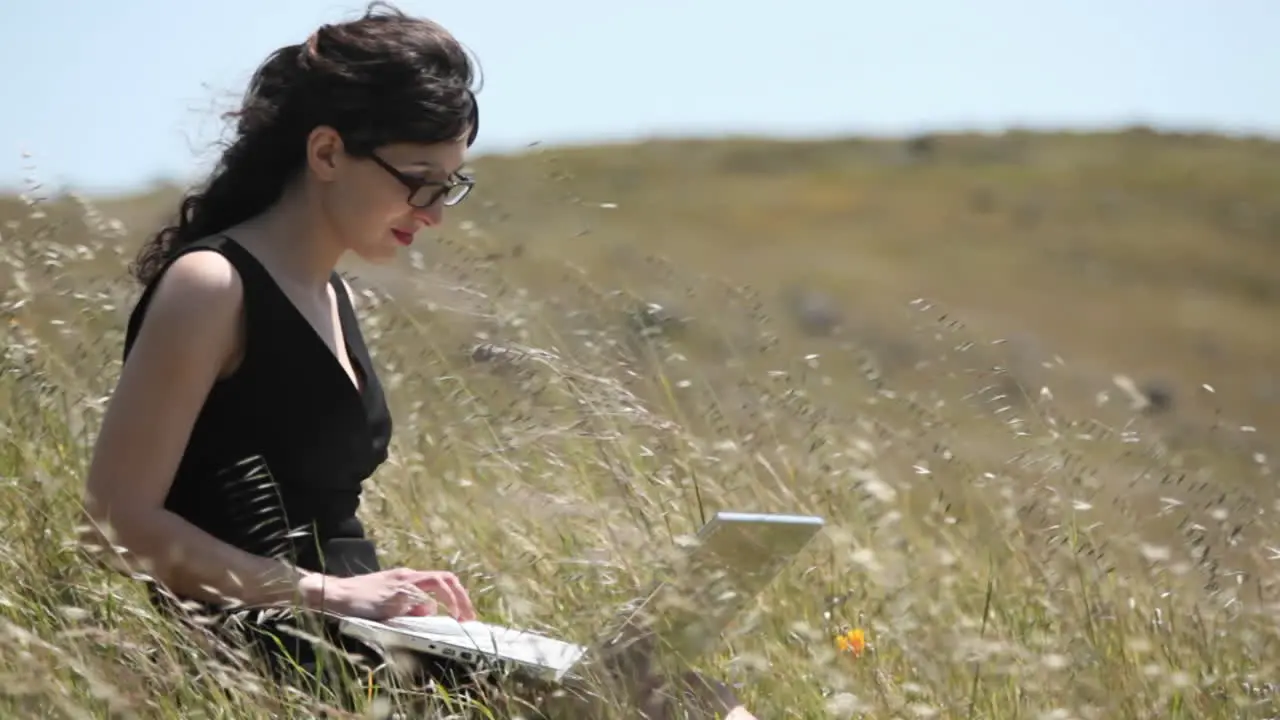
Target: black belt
pixel 345 557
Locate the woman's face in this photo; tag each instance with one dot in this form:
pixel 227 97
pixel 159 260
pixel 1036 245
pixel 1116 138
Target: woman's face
pixel 376 205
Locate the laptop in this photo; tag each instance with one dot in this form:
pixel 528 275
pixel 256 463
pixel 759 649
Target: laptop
pixel 731 560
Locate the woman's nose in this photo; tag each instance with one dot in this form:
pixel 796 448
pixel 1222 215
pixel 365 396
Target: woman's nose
pixel 431 215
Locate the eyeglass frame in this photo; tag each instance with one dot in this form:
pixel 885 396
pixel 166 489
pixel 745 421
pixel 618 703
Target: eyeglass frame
pixel 414 184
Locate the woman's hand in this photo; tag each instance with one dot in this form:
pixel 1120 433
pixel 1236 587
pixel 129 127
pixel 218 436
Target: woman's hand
pixel 389 593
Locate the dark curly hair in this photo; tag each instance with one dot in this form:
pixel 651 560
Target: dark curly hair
pixel 383 78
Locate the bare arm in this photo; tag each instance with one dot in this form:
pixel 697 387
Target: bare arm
pixel 190 335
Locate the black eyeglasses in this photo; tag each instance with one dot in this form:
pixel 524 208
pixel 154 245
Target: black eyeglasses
pixel 425 193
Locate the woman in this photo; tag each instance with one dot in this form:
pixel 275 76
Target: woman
pixel 249 412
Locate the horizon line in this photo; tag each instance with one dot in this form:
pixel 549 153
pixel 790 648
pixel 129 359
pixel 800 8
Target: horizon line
pixel 514 149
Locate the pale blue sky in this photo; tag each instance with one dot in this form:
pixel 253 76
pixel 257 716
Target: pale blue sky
pixel 108 94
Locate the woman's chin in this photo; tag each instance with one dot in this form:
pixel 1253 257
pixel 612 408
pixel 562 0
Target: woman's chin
pixel 379 255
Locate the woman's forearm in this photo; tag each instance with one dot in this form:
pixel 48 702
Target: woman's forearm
pixel 191 563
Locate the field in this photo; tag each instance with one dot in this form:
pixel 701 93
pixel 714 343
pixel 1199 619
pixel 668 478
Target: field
pixel 1032 381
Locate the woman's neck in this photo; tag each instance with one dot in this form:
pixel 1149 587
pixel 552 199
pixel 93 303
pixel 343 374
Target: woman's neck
pixel 292 238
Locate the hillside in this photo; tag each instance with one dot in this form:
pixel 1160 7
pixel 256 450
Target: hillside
pixel 1155 256
pixel 925 341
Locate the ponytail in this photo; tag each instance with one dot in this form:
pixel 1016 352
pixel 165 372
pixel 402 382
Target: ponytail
pixel 250 176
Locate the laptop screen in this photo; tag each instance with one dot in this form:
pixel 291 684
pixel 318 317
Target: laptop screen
pixel 732 560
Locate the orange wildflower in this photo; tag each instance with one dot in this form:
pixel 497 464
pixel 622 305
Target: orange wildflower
pixel 854 642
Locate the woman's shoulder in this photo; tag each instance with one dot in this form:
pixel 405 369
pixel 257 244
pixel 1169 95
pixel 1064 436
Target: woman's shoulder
pixel 198 292
pixel 200 282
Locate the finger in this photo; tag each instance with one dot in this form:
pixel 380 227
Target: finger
pixel 418 601
pixel 432 584
pixel 447 588
pixel 409 599
pixel 397 604
pixel 422 606
pixel 466 610
pixel 435 584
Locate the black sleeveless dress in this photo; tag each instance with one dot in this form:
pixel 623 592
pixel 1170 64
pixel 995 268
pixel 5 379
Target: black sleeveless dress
pixel 278 454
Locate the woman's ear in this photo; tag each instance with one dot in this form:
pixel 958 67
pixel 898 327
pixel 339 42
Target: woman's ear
pixel 324 153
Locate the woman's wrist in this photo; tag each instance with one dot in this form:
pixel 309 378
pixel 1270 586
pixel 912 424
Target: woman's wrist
pixel 314 588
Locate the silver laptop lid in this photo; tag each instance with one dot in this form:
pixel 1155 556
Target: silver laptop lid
pixel 733 559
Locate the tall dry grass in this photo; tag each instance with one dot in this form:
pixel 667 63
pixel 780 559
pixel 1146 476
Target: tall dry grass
pixel 1003 559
